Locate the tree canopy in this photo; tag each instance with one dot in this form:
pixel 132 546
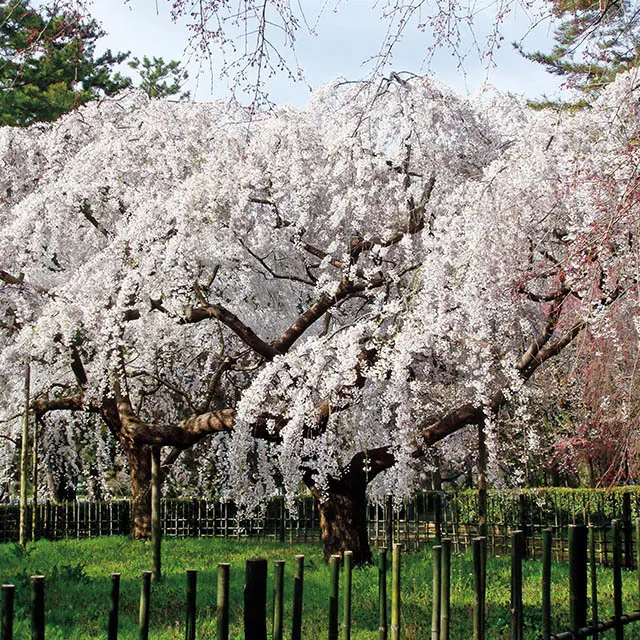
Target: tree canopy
pixel 316 297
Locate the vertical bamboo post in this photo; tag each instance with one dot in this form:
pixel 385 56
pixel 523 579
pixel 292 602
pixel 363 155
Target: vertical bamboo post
pixel 617 580
pixel 346 602
pixel 638 554
pixel 577 578
pixel 143 613
pixel 445 585
pixel 628 529
pixel 382 594
pixel 594 581
pixel 190 621
pixel 298 589
pixel 478 613
pixel 222 602
pixel 34 480
pixel 334 576
pixel 547 546
pixel 388 522
pixel 255 600
pixel 114 602
pixel 482 480
pixel 156 515
pixel 8 591
pixel 395 592
pixel 278 605
pixel 517 545
pixel 37 607
pixel 24 448
pixel 435 594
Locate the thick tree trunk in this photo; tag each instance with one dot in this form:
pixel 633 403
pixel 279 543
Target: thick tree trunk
pixel 343 522
pixel 139 457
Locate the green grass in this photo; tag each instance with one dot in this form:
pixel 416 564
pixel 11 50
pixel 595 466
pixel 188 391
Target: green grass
pixel 78 585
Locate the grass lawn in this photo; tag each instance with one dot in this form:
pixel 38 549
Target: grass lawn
pixel 78 586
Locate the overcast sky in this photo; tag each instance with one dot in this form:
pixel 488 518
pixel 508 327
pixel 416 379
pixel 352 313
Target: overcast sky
pixel 345 39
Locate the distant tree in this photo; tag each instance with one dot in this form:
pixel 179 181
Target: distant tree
pixel 594 41
pixel 48 63
pixel 160 79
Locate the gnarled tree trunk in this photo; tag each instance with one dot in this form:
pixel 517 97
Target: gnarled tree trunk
pixel 139 456
pixel 343 520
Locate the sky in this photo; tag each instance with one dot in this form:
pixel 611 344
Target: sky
pixel 346 36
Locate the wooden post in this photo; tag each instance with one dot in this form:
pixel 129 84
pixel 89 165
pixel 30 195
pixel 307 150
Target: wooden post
pixel 617 580
pixel 255 600
pixel 143 613
pixel 547 542
pixel 334 576
pixel 517 629
pixel 445 583
pixel 8 592
pixel 577 577
pixel 278 604
pixel 222 616
pixel 593 567
pixel 156 515
pixel 395 592
pixel 346 603
pixel 37 607
pixel 114 601
pixel 478 613
pixel 298 589
pixel 382 594
pixel 435 593
pixel 24 448
pixel 190 621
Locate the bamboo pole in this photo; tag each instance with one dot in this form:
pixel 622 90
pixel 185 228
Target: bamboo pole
pixel 594 581
pixel 278 604
pixel 638 554
pixel 34 477
pixel 24 448
pixel 517 543
pixel 617 580
pixel 547 545
pixel 255 600
pixel 334 576
pixel 445 585
pixel 346 603
pixel 190 621
pixel 8 593
pixel 435 613
pixel 37 607
pixel 577 577
pixel 382 594
pixel 298 589
pixel 114 602
pixel 395 592
pixel 222 602
pixel 478 614
pixel 143 613
pixel 156 515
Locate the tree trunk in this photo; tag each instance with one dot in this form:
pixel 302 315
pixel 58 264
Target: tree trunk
pixel 343 521
pixel 139 457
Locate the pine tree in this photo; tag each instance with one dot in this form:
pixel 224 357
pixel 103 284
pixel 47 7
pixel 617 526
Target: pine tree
pixel 48 63
pixel 594 41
